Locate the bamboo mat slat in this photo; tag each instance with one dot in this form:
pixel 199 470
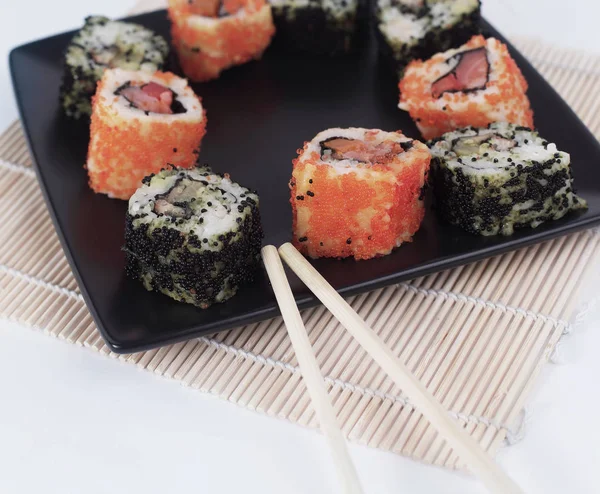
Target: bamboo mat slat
pixel 476 338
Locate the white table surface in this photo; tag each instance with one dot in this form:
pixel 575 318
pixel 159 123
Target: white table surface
pixel 72 421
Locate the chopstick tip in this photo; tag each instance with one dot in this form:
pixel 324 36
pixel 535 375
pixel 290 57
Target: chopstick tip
pixel 267 248
pixel 286 246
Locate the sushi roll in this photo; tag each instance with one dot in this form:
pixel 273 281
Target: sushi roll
pixel 357 192
pixel 473 85
pixel 409 30
pixel 497 179
pixel 316 26
pixel 102 44
pixel 193 235
pixel 140 123
pixel 210 37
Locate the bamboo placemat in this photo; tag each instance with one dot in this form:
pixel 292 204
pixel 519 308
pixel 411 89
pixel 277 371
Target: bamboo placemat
pixel 477 335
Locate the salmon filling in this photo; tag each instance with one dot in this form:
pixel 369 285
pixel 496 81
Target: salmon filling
pixel 151 97
pixel 214 8
pixel 469 74
pixel 208 8
pixel 342 148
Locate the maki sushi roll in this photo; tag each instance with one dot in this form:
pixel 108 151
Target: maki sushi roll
pixel 193 235
pixel 102 44
pixel 140 123
pixel 317 26
pixel 497 179
pixel 473 85
pixel 357 192
pixel 409 30
pixel 210 37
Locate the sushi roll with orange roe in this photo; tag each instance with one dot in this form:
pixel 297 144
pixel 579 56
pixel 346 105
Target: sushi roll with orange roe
pixel 141 123
pixel 357 192
pixel 474 85
pixel 211 36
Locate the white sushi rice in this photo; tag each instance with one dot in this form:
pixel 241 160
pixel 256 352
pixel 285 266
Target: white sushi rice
pixel 527 147
pixel 405 28
pixel 218 218
pixel 348 165
pixel 336 8
pixel 208 21
pixel 445 13
pixel 115 78
pixel 291 3
pixel 116 44
pixel 410 27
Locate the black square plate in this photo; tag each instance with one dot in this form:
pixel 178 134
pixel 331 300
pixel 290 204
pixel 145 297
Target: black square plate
pixel 258 115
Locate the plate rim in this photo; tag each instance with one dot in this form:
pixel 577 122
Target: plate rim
pixel 303 301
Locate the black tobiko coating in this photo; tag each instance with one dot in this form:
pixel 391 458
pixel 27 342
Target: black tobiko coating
pixel 434 41
pixel 169 261
pixel 78 84
pixel 461 200
pixel 313 29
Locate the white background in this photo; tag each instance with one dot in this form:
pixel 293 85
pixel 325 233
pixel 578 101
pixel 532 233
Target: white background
pixel 74 421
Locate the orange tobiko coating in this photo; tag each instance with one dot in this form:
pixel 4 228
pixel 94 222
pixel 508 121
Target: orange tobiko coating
pixel 503 99
pixel 362 213
pixel 206 45
pixel 124 149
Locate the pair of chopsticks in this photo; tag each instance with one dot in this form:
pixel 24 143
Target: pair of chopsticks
pixel 465 446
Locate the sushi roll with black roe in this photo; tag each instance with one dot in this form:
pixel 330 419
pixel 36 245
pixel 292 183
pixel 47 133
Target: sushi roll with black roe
pixel 413 29
pixel 102 44
pixel 327 27
pixel 357 192
pixel 193 235
pixel 497 179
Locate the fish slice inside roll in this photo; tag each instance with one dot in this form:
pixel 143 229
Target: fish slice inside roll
pixel 140 123
pixel 500 178
pixel 357 192
pixel 193 235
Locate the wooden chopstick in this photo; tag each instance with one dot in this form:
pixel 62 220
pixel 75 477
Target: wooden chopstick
pixel 310 371
pixel 465 446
